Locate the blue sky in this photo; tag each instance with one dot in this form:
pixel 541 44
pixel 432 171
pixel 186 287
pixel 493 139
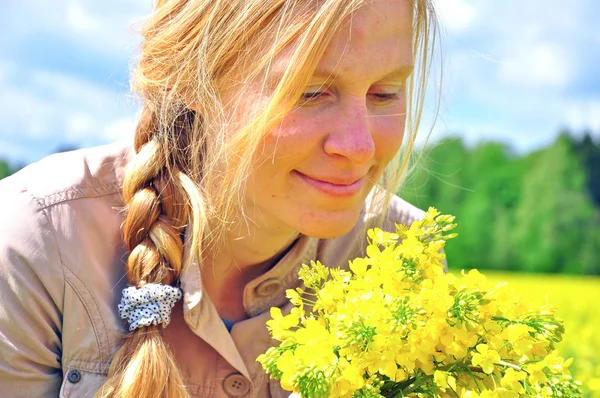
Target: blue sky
pixel 515 71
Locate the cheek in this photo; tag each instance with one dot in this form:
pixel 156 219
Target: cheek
pixel 389 132
pixel 295 136
pixel 288 145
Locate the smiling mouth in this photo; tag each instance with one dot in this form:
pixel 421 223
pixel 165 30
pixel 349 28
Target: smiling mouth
pixel 338 188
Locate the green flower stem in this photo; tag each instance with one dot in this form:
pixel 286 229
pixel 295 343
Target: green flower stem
pixel 510 365
pixel 413 383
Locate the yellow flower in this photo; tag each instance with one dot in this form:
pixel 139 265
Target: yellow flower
pixel 288 366
pixel 473 279
pixel 444 380
pixel 359 265
pixel 295 297
pixel 396 316
pixel 330 297
pixel 512 380
pixel 536 373
pixel 353 376
pixel 557 364
pixel 388 368
pixel 403 359
pixel 518 335
pixel 435 297
pixel 485 358
pixel 457 350
pixel 380 237
pixel 501 392
pixel 400 375
pixel 280 325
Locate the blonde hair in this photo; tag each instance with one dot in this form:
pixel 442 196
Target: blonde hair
pixel 189 169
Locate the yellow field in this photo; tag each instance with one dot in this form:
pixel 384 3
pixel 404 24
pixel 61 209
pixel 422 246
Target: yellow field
pixel 578 303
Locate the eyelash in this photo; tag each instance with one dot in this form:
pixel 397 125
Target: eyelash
pixel 380 97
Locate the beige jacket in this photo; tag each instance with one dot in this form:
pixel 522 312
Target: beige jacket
pixel 62 272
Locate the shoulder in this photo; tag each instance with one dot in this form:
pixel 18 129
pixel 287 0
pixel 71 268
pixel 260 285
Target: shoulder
pixel 397 211
pixel 63 214
pixel 61 253
pixel 403 212
pixel 60 177
pixel 42 203
pixel 337 251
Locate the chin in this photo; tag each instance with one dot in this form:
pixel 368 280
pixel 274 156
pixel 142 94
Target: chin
pixel 328 227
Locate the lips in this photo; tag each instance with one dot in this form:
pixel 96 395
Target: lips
pixel 332 185
pixel 336 180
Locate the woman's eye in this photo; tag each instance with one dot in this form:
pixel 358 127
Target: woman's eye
pixel 382 97
pixel 315 96
pixel 312 96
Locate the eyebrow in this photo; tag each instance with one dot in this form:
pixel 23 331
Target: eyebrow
pixel 401 72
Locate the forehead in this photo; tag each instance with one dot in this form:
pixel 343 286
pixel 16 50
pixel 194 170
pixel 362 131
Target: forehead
pixel 371 43
pixel 378 16
pixel 374 40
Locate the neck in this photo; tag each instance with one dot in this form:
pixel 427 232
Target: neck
pixel 256 240
pixel 244 257
pixel 243 254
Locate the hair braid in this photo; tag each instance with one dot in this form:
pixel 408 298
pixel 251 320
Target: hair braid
pixel 156 215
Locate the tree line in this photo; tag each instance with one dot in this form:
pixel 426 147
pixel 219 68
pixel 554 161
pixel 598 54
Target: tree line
pixel 538 212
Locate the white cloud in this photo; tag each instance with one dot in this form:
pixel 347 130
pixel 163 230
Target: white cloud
pixel 12 152
pixel 24 114
pixel 120 129
pixel 19 20
pixel 583 115
pixel 511 72
pixel 455 15
pixel 540 64
pixel 80 20
pixel 110 26
pixel 79 125
pixel 69 88
pixel 4 72
pixel 55 109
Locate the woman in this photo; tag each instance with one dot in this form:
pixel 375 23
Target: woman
pixel 266 125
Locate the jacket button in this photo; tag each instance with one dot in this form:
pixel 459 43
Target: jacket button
pixel 236 385
pixel 74 376
pixel 268 287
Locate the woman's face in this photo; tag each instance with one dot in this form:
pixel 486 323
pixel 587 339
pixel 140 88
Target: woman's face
pixel 314 170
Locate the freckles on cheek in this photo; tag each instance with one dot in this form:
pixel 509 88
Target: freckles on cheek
pixel 293 130
pixel 390 139
pixel 287 126
pixel 283 132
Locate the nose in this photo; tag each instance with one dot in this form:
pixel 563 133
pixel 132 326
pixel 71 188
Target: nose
pixel 350 133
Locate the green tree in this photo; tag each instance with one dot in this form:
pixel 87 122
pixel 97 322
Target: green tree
pixel 487 210
pixel 439 180
pixel 5 169
pixel 554 217
pixel 534 213
pixel 589 153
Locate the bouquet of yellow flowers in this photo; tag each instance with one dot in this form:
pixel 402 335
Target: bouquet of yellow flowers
pixel 397 325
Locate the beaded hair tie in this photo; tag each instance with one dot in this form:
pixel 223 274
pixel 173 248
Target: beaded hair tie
pixel 148 305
